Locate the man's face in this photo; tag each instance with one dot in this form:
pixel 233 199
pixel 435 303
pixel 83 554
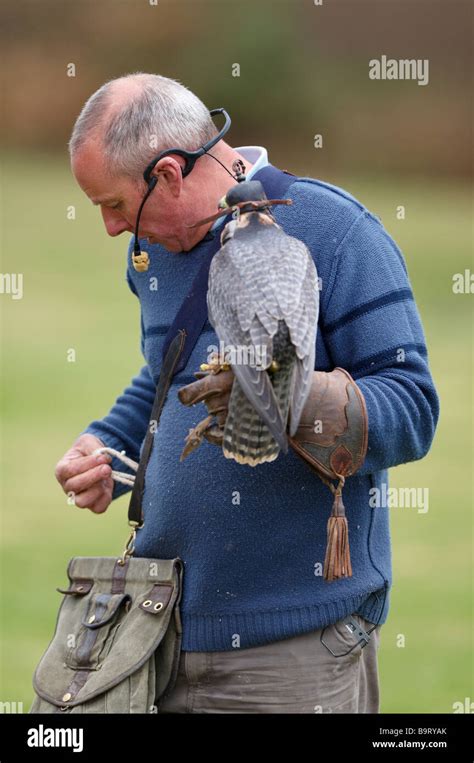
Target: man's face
pixel 164 218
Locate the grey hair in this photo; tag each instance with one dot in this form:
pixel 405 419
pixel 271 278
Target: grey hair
pixel 161 114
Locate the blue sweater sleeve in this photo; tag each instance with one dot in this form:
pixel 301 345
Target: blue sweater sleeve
pixel 372 328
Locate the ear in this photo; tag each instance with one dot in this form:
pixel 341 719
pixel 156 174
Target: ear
pixel 169 174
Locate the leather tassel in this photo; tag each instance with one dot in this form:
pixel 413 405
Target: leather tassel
pixel 338 560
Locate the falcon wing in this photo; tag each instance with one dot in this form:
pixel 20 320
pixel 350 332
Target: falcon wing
pixel 227 299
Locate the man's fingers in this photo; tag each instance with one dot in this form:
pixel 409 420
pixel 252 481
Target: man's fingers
pixel 86 480
pixel 105 499
pixel 206 388
pixel 85 476
pixel 70 466
pixel 97 498
pixel 195 392
pixel 88 498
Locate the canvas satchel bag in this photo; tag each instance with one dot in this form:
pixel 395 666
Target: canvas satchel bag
pixel 117 641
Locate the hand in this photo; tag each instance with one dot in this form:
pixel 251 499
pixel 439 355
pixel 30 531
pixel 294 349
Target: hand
pixel 88 477
pixel 213 388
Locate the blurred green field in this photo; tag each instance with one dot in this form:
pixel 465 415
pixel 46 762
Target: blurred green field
pixel 75 296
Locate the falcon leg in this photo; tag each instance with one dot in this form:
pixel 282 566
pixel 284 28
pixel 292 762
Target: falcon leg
pixel 195 437
pixel 216 365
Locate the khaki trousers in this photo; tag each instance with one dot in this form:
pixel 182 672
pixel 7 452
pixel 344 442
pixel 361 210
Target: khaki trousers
pixel 296 675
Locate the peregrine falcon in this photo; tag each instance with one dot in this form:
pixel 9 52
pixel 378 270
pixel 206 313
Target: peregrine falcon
pixel 263 303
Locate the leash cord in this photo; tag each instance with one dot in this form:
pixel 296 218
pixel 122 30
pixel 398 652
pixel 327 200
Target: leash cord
pixel 124 477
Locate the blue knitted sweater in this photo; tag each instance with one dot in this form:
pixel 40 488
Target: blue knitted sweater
pixel 253 539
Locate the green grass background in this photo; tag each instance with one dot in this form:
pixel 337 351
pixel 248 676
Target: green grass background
pixel 75 296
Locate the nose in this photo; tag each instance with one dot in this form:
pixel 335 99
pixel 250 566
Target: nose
pixel 114 223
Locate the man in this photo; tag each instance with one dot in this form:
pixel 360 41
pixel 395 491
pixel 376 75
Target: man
pixel 263 631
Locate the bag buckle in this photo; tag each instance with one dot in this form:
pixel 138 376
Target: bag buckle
pixel 130 544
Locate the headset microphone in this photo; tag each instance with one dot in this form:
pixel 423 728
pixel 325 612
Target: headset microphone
pixel 141 260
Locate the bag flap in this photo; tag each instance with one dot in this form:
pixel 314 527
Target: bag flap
pixel 152 588
pixel 103 608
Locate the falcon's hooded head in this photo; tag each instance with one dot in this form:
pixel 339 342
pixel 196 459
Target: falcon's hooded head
pixel 248 190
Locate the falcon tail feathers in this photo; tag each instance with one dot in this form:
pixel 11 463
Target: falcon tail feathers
pixel 247 439
pixel 261 395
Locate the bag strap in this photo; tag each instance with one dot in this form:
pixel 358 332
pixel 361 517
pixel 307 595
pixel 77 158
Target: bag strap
pixel 192 315
pixel 168 368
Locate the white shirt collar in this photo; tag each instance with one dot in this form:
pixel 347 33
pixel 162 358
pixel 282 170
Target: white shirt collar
pixel 258 156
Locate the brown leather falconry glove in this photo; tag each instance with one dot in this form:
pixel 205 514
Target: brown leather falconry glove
pixel 213 388
pixel 331 438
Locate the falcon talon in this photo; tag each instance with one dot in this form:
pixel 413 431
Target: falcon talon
pixel 215 365
pixel 220 367
pixel 195 437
